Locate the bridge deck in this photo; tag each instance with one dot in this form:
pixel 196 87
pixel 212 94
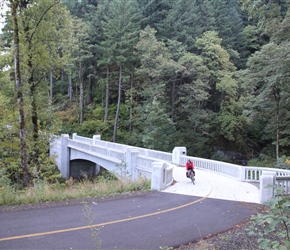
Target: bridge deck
pixel 214 185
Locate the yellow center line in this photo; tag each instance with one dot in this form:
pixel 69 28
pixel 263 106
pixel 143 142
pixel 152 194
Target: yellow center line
pixel 105 223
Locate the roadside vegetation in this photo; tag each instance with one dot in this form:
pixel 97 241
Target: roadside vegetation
pixel 43 191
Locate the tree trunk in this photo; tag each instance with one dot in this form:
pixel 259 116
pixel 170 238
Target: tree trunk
pixel 131 101
pixel 34 117
pixel 19 89
pixel 173 97
pixel 90 91
pixel 50 93
pixel 70 86
pixel 118 105
pixel 107 96
pixel 277 100
pixel 81 75
pixel 34 156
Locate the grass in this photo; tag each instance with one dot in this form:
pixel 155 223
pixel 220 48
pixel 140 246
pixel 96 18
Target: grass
pixel 42 191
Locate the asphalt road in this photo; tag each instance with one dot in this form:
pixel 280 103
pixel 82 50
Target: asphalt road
pixel 148 221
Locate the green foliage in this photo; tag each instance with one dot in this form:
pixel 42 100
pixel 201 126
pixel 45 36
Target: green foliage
pixel 159 128
pixel 217 60
pixel 154 12
pixel 269 78
pixel 105 175
pixel 270 14
pixel 220 156
pixel 283 163
pixel 154 57
pixel 263 160
pixel 179 62
pixel 91 127
pixel 275 221
pixel 120 29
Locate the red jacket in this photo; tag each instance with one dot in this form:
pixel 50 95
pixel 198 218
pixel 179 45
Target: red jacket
pixel 189 165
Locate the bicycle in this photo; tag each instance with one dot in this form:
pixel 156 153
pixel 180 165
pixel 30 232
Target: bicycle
pixel 192 176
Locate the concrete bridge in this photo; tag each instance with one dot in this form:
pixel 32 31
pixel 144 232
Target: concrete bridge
pixel 80 154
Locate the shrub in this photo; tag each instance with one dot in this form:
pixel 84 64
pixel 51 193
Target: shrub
pixel 276 222
pixel 263 161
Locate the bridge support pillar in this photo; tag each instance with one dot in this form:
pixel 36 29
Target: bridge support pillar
pixel 64 155
pixel 158 179
pixel 267 182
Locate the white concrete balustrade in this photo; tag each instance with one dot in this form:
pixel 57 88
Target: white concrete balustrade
pixel 228 169
pixel 157 165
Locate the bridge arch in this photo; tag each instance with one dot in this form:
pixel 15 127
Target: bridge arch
pixel 83 161
pixel 81 167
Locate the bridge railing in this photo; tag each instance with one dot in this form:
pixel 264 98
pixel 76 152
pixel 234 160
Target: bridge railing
pixel 142 151
pixel 145 158
pixel 155 154
pixel 78 138
pixel 253 174
pixel 273 183
pixel 144 167
pixel 231 170
pixel 283 184
pixel 88 144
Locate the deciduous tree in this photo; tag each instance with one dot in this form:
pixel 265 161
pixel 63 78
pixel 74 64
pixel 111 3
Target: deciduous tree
pixel 36 26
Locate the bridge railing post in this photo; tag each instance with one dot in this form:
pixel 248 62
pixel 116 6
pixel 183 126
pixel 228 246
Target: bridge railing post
pixel 74 135
pixel 158 178
pixel 64 154
pixel 242 173
pixel 96 138
pixel 267 182
pixel 176 153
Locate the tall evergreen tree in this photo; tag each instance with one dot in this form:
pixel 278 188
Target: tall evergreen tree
pixel 157 75
pixel 121 30
pixel 193 119
pixel 158 127
pixel 155 13
pixel 270 13
pixel 218 62
pixel 182 23
pixel 188 20
pixel 79 49
pixel 269 74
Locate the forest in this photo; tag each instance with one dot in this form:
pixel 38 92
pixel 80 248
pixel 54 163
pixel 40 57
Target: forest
pixel 210 75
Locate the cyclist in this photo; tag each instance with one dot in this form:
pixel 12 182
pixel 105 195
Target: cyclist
pixel 189 167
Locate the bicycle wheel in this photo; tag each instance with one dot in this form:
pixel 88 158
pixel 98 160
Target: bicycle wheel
pixel 192 177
